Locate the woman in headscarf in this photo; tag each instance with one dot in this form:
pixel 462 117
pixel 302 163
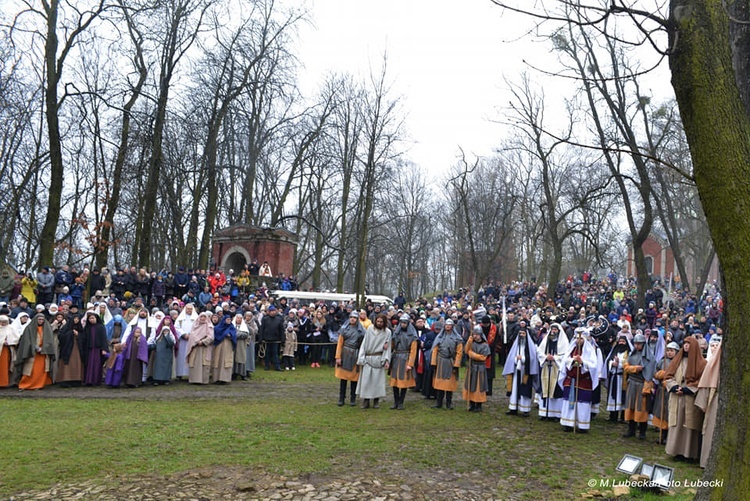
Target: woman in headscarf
pixel 105 316
pixel 70 365
pixel 708 397
pixel 94 349
pixel 8 342
pixel 184 325
pixel 35 350
pixel 240 353
pixel 200 349
pixel 161 343
pixel 17 325
pixel 252 326
pixel 115 329
pixel 135 351
pixel 661 397
pixel 225 340
pixel 685 419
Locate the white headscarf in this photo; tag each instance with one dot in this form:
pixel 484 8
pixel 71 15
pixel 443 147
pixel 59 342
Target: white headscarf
pixel 132 325
pixel 590 362
pixel 18 327
pixel 8 333
pixel 107 314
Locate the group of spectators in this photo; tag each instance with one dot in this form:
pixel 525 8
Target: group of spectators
pixel 66 284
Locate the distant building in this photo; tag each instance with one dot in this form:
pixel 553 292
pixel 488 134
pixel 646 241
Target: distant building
pixel 660 262
pixel 237 245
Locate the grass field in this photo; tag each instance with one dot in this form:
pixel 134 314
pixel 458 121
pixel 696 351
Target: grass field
pixel 287 423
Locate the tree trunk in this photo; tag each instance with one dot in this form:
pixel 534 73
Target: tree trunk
pixel 718 132
pixel 47 238
pixel 113 202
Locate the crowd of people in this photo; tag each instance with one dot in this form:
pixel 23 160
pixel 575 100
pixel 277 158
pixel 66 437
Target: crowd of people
pixel 569 353
pixel 199 286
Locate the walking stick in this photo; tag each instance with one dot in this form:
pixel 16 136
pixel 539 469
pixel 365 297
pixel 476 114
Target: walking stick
pixel 549 378
pixel 468 391
pixel 661 414
pixel 575 403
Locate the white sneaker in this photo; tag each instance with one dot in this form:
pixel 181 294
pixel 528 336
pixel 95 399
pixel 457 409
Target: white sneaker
pixel 287 368
pixel 294 368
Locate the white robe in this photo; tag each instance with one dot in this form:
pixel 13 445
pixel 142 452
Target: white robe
pixel 579 414
pixel 550 372
pixel 374 352
pixel 184 325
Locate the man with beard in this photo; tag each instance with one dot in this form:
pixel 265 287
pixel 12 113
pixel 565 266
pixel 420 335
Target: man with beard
pixel 550 353
pixel 374 360
pixel 661 397
pixel 521 368
pixel 578 377
pixel 447 351
pixel 616 377
pixel 347 349
pixel 404 353
pixel 639 367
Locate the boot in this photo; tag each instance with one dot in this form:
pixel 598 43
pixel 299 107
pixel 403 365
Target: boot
pixel 396 396
pixel 472 407
pixel 663 439
pixel 642 430
pixel 376 403
pixel 401 400
pixel 478 407
pixel 439 401
pixel 353 397
pixel 631 430
pixel 366 403
pixel 449 400
pixel 342 392
pixel 613 416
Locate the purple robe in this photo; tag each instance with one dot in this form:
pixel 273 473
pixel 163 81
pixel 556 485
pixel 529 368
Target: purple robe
pixel 114 375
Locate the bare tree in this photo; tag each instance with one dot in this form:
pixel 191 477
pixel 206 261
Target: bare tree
pixel 381 128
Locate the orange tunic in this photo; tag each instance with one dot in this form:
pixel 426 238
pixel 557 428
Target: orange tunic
pixel 39 377
pixel 340 372
pixel 446 384
pixel 408 380
pixel 476 393
pixel 5 368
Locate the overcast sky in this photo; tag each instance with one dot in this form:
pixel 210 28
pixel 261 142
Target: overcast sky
pixel 447 60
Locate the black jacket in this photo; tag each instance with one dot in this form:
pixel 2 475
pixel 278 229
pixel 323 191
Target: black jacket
pixel 272 328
